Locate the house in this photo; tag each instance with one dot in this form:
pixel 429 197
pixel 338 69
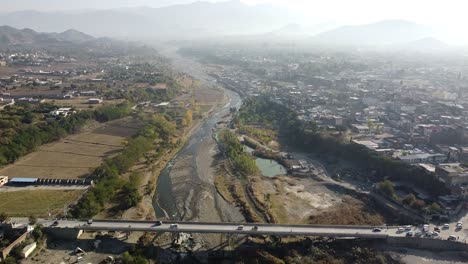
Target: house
pixel 421 158
pixel 367 143
pixel 27 250
pixel 3 180
pixel 452 174
pixel 95 101
pixel 61 112
pixel 361 129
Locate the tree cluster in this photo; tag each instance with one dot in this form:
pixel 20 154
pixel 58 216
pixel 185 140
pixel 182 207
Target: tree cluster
pixel 235 152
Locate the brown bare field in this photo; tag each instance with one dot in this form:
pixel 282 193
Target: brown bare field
pixel 208 95
pixel 37 202
pixel 293 200
pixel 76 155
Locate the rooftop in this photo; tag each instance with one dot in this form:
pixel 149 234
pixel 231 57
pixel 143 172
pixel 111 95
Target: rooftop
pixel 23 180
pixel 453 168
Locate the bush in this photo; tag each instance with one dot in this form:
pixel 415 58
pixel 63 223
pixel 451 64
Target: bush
pixel 409 199
pixel 387 188
pixel 418 204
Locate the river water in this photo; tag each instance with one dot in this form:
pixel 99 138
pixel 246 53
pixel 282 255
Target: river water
pixel 164 199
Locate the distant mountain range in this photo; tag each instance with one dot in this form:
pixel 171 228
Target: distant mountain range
pixel 387 32
pixel 200 20
pixel 10 36
pixel 70 42
pixel 189 20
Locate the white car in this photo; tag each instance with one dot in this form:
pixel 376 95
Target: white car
pixel 446 226
pixel 241 227
pixel 408 228
pixel 400 230
pixel 459 225
pixel 173 226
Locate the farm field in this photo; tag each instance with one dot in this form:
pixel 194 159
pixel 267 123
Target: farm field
pixel 37 202
pixel 76 155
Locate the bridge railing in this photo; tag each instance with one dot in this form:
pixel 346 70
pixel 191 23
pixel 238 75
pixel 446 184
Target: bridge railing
pixel 238 223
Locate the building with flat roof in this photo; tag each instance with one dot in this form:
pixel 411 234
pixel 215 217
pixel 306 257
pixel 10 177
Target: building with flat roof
pixel 422 158
pixel 23 181
pixel 452 173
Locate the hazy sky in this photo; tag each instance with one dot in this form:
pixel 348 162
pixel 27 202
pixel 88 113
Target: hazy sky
pixel 447 17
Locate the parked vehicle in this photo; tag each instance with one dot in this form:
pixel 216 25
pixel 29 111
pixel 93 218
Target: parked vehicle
pixel 452 238
pixel 173 226
pixel 428 234
pixel 400 230
pixel 446 226
pixel 90 221
pixel 408 228
pixel 409 234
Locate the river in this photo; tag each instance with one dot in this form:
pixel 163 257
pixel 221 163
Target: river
pixel 168 195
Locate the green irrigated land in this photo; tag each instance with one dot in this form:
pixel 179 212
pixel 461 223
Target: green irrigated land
pixel 37 202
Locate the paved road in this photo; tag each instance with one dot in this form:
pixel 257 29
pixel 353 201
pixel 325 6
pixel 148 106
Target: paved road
pixel 233 228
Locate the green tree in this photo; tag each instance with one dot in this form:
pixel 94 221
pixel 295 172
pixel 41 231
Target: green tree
pixel 387 188
pixel 32 219
pixel 37 233
pixel 9 260
pixel 409 199
pixel 3 217
pixel 434 208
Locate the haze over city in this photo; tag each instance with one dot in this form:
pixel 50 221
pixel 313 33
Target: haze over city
pixel 447 19
pixel 242 131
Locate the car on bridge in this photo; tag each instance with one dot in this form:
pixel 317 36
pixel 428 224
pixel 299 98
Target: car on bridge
pixel 377 229
pixel 173 226
pixel 255 228
pixel 158 223
pixel 240 227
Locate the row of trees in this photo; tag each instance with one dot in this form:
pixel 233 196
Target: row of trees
pixel 388 189
pixel 235 152
pixel 109 185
